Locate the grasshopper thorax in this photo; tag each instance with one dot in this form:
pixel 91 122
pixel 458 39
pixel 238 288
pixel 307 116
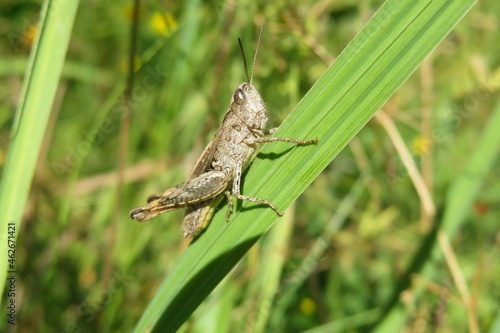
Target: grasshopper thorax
pixel 248 105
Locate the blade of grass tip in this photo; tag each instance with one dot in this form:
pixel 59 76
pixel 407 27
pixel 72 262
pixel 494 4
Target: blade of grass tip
pixel 365 75
pixel 35 102
pixel 458 206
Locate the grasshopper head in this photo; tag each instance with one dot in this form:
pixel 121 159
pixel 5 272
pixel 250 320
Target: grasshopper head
pixel 249 106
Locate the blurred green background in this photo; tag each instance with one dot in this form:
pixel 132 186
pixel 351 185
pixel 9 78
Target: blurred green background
pixel 84 266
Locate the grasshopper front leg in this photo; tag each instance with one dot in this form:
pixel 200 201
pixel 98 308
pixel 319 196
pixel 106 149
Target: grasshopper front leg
pixel 259 139
pixel 236 189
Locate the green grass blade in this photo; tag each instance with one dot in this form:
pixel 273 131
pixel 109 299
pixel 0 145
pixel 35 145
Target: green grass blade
pixel 465 189
pixel 460 200
pixel 321 246
pixel 35 103
pixel 265 281
pixel 365 75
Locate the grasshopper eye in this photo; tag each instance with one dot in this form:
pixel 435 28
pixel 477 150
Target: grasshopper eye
pixel 239 96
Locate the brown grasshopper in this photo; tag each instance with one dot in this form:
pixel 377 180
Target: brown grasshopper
pixel 219 169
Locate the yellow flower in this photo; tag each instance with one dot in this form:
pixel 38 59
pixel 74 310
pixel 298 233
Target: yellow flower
pixel 29 35
pixel 422 145
pixel 163 24
pixel 307 306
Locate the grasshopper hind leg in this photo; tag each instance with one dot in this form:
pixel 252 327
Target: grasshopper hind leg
pixel 198 217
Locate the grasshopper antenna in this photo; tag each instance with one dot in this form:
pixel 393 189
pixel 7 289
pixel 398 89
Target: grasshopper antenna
pixel 244 60
pixel 249 79
pixel 256 51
